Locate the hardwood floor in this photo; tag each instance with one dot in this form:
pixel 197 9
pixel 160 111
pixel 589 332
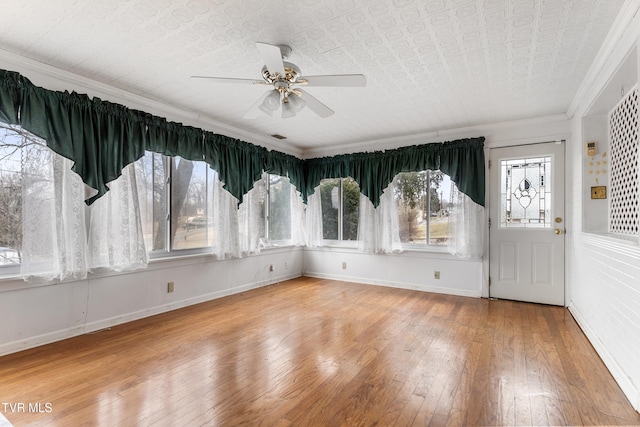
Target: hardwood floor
pixel 318 352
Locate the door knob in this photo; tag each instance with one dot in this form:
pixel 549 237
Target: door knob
pixel 557 231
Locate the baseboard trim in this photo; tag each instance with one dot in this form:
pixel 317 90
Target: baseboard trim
pixel 51 337
pixel 393 284
pixel 627 386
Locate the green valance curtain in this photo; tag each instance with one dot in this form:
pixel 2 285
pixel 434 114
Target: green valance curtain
pixel 101 138
pixel 239 164
pixel 10 96
pixel 462 160
pixel 287 165
pixel 174 139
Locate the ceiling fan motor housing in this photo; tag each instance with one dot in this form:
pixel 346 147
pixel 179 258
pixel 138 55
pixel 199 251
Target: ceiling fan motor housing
pixel 291 72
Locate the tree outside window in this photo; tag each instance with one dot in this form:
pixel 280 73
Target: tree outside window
pixel 279 208
pixel 422 206
pixel 340 200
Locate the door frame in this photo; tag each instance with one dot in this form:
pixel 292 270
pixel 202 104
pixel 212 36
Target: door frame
pixel 561 139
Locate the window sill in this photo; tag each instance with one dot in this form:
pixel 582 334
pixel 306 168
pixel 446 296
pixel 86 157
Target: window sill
pixel 336 244
pixel 15 281
pixel 407 251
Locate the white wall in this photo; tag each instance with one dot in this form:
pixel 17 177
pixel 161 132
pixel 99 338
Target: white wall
pixel 604 271
pixel 408 270
pixel 33 315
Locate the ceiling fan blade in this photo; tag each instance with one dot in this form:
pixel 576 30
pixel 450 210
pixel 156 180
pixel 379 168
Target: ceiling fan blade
pixel 314 105
pixel 254 111
pixel 230 80
pixel 272 56
pixel 343 80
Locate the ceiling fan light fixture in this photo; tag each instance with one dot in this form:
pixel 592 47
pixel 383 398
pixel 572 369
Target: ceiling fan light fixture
pixel 271 102
pixel 288 110
pixel 296 103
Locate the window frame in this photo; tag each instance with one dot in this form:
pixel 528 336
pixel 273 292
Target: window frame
pixel 426 245
pixel 340 241
pixel 169 252
pixel 268 242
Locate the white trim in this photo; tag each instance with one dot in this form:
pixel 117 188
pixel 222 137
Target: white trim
pixel 435 137
pixel 625 383
pixel 12 283
pixel 30 342
pixel 604 58
pixel 626 246
pixel 394 284
pixel 406 252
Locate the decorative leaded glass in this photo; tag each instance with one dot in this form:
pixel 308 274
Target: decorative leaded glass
pixel 525 193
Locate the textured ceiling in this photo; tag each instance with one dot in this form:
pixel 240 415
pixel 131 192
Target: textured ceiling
pixel 430 64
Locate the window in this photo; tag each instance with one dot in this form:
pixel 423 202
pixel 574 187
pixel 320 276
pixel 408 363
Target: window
pixel 423 201
pixel 13 147
pixel 340 198
pixel 181 204
pixel 525 193
pixel 279 208
pixel 191 192
pixel 176 203
pixel 153 199
pixel 183 210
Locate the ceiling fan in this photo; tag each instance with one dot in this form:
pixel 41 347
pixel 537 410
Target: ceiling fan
pixel 285 78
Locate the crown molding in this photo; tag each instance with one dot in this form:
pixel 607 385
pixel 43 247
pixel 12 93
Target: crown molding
pixel 514 132
pixel 622 36
pixel 53 78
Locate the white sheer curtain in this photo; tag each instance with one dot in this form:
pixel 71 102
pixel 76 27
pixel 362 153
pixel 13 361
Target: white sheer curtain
pixel 251 219
pixel 378 228
pixel 116 237
pixel 313 220
pixel 225 237
pixel 54 239
pixel 297 217
pixel 466 227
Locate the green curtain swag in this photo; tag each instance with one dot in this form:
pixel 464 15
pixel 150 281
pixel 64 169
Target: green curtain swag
pixel 10 96
pixel 462 160
pixel 282 164
pixel 239 164
pixel 174 139
pixel 101 138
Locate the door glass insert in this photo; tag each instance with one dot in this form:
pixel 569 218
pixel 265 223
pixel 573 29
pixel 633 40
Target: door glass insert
pixel 525 193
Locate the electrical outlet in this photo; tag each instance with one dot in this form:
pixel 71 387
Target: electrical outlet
pixel 271 267
pixel 170 287
pixel 286 265
pixel 344 265
pixel 436 275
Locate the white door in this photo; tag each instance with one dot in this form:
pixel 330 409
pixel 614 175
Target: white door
pixel 526 234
